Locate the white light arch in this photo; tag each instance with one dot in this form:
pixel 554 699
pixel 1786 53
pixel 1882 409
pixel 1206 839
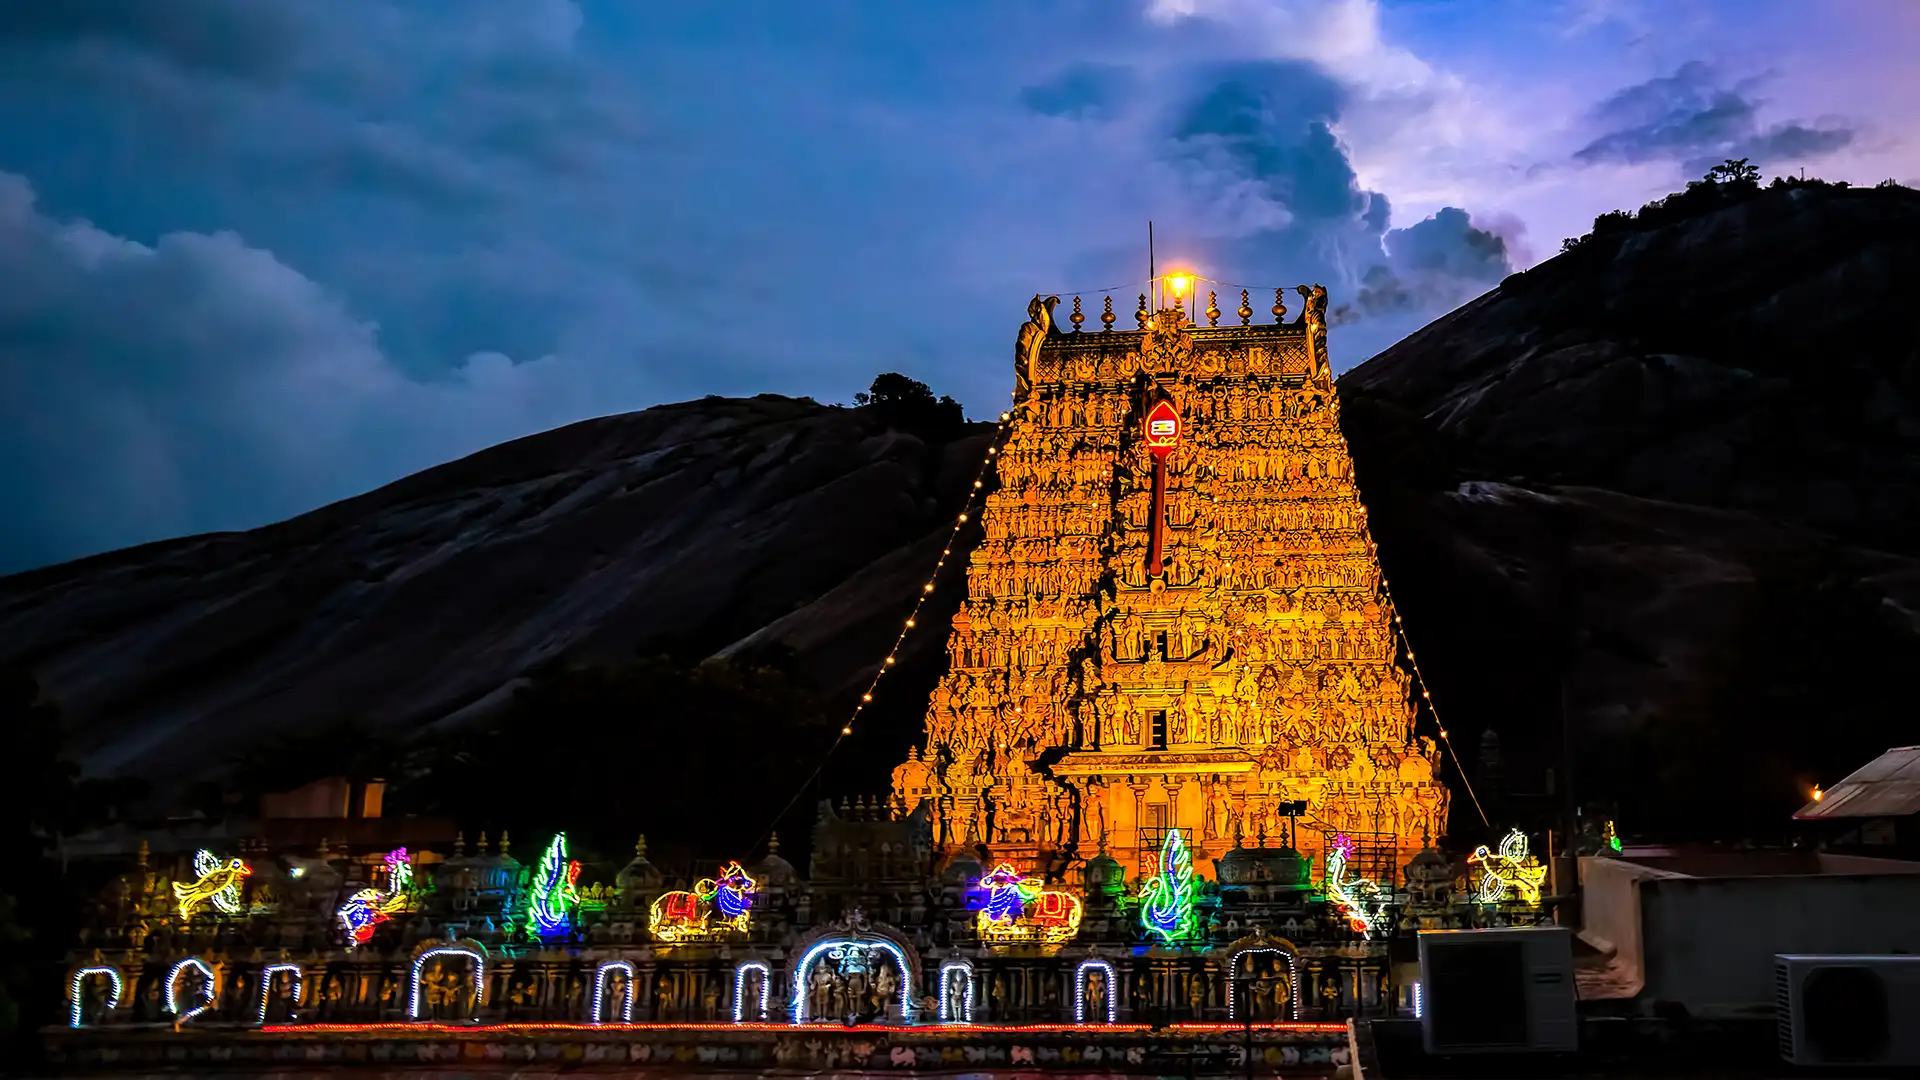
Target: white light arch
pixel 266 987
pixel 173 990
pixel 1233 971
pixel 78 983
pixel 1080 990
pixel 740 988
pixel 600 976
pixel 419 962
pixel 819 948
pixel 947 1005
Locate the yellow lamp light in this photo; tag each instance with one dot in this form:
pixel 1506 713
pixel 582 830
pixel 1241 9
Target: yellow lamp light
pixel 1179 283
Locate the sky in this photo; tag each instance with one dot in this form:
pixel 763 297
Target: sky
pixel 260 255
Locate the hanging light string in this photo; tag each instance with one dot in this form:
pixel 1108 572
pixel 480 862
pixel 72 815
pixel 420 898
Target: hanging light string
pixel 995 444
pixel 1406 644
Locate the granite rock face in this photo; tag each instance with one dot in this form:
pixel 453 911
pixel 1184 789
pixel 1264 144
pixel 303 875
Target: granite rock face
pixel 690 529
pixel 1676 474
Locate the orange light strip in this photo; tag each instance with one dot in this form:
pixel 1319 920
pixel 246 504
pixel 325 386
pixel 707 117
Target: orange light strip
pixel 1300 1027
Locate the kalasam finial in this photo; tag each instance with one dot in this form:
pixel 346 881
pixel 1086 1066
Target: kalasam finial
pixel 1246 309
pixel 1141 315
pixel 1279 305
pixel 1076 318
pixel 1106 317
pixel 1213 308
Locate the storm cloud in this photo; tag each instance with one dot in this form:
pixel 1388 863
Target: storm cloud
pixel 1692 117
pixel 261 254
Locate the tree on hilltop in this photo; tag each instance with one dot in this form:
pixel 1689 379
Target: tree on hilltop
pixel 909 405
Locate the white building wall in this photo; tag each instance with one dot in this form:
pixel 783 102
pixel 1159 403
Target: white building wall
pixel 1708 943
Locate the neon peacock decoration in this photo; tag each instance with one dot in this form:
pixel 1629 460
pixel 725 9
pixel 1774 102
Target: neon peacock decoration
pixel 1359 899
pixel 1166 900
pixel 218 884
pixel 550 912
pixel 369 908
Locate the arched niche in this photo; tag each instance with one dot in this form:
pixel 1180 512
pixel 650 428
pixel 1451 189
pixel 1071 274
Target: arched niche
pixel 182 1009
pixel 1242 951
pixel 601 976
pixel 956 992
pixel 77 986
pixel 874 940
pixel 1081 975
pixel 477 967
pixel 265 991
pixel 740 1005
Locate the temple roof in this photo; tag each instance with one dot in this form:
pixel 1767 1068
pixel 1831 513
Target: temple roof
pixel 1887 786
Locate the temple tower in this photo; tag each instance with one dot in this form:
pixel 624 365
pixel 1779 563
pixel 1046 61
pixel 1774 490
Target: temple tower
pixel 1174 619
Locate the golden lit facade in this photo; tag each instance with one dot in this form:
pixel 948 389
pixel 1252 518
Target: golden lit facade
pixel 1174 626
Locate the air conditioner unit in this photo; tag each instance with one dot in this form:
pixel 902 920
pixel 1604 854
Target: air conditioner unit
pixel 1848 1010
pixel 1498 991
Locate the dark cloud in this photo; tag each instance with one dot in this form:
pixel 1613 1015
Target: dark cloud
pixel 239 38
pixel 1692 118
pixel 1270 129
pixel 1081 92
pixel 200 383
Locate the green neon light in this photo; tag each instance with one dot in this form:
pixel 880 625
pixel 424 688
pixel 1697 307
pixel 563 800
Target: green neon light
pixel 1166 908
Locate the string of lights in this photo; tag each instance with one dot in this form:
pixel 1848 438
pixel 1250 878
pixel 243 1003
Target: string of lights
pixel 1001 430
pixel 1406 645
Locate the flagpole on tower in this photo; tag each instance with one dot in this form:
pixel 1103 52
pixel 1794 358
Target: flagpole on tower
pixel 1153 280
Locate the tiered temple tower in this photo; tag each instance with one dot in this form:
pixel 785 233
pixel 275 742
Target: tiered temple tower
pixel 1175 619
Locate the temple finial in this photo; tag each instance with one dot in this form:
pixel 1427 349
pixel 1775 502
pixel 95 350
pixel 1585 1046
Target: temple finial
pixel 1106 317
pixel 1246 309
pixel 1279 305
pixel 640 846
pixel 773 844
pixel 1141 315
pixel 1213 308
pixel 1076 318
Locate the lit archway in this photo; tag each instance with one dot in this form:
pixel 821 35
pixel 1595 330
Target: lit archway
pixel 1080 990
pixel 740 989
pixel 812 956
pixel 78 984
pixel 173 990
pixel 420 962
pixel 266 987
pixel 958 1011
pixel 600 976
pixel 1233 973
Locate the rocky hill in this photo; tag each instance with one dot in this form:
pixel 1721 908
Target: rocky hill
pixel 1668 479
pixel 1673 472
pixel 769 525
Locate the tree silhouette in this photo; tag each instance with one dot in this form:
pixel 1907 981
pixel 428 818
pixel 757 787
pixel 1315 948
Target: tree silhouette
pixel 909 405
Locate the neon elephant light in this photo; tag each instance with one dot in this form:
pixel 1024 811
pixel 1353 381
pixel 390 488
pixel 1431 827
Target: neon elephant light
pixel 1020 909
pixel 713 906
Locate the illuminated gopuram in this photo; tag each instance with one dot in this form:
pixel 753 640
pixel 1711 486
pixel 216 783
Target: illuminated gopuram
pixel 1175 619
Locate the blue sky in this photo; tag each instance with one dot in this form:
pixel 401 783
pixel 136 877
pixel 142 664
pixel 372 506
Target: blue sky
pixel 258 255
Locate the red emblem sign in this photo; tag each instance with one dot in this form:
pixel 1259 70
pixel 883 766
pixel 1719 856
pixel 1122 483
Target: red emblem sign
pixel 1163 428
